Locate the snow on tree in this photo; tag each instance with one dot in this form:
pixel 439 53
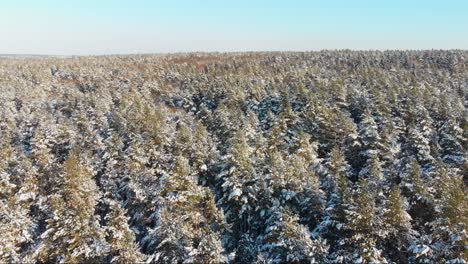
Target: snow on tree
pixel 370 138
pixel 121 239
pixel 188 224
pixel 203 149
pixel 73 232
pixel 451 141
pixel 338 171
pixel 16 225
pixel 238 195
pixel 420 199
pixel 420 135
pixel 397 230
pixel 331 156
pixel 364 226
pixel 419 145
pixel 334 225
pixel 307 150
pixel 372 171
pixel 449 230
pixel 285 240
pixel 302 191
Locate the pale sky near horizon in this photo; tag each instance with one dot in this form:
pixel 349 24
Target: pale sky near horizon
pixel 95 27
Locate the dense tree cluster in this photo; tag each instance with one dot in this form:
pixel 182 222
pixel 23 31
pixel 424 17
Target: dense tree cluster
pixel 315 157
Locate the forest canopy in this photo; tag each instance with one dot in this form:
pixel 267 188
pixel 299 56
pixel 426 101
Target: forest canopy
pixel 299 157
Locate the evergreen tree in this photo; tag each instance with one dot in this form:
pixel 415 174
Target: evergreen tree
pixel 415 188
pixel 285 240
pixel 302 192
pixel 338 171
pixel 374 175
pixel 121 239
pixel 247 251
pixel 451 141
pixel 238 179
pixel 203 149
pixel 184 141
pixel 334 225
pixel 16 225
pixel 364 226
pixel 419 145
pixel 449 230
pixel 73 232
pixel 307 150
pixel 420 135
pixel 396 226
pixel 188 224
pixel 369 135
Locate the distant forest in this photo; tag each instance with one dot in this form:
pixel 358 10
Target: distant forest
pixel 264 157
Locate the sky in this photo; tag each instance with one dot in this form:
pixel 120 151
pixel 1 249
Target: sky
pixel 97 27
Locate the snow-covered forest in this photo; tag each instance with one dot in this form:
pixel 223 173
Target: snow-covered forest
pixel 315 157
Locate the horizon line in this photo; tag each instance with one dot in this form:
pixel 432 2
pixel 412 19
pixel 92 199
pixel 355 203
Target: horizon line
pixel 4 55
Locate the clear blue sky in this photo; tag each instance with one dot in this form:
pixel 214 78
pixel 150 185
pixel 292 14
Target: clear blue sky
pixel 66 27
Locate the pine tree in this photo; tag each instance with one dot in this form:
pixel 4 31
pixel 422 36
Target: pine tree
pixel 302 191
pixel 121 239
pixel 451 141
pixel 338 171
pixel 420 199
pixel 188 224
pixel 419 145
pixel 237 183
pixel 449 229
pixel 395 214
pixel 73 232
pixel 390 155
pixel 307 150
pixel 247 250
pixel 364 226
pixel 396 226
pixel 278 134
pixel 113 161
pixel 203 150
pixel 184 141
pixel 285 240
pixel 369 135
pixel 351 145
pixel 174 141
pixel 16 224
pixel 374 175
pixel 420 134
pixel 334 225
